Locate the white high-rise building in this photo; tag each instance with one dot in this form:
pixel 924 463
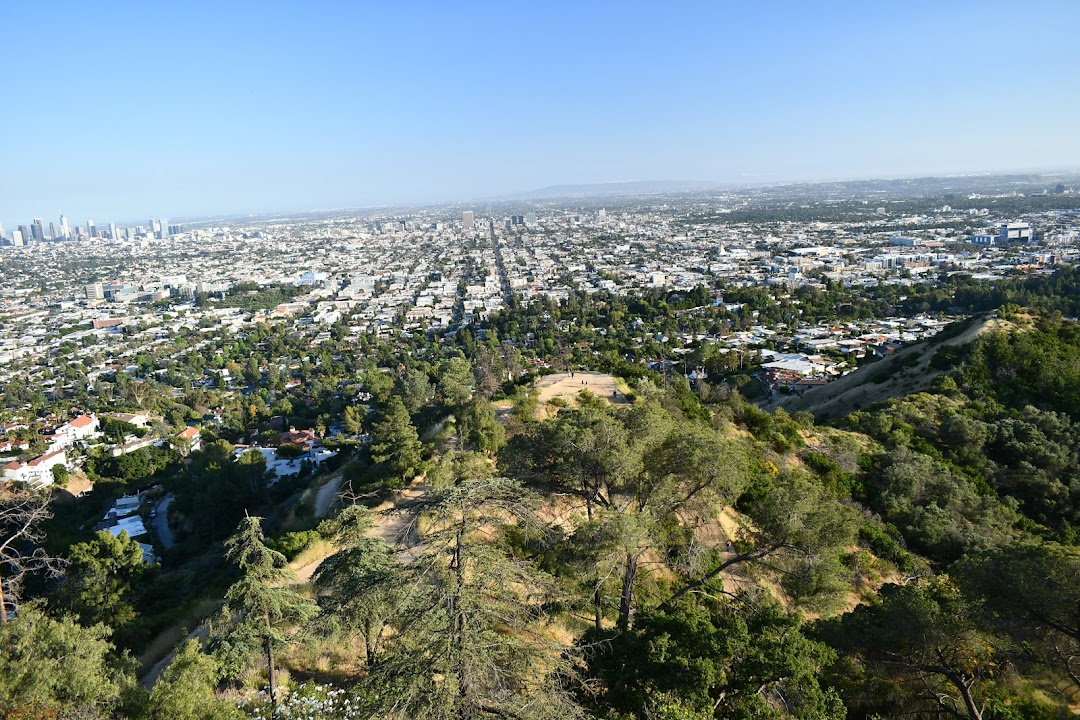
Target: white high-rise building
pixel 467 219
pixel 65 231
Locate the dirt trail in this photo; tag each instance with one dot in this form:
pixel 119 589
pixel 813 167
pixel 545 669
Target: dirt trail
pixel 326 495
pixel 393 523
pixel 147 681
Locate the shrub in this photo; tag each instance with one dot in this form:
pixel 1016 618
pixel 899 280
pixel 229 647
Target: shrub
pixel 292 544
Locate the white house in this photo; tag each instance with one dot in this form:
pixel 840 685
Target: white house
pixel 81 428
pixel 37 472
pixel 133 526
pixel 123 507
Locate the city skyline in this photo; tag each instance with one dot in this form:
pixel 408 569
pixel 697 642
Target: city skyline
pixel 282 110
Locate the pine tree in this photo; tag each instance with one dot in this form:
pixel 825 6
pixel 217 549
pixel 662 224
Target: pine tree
pixel 103 578
pixel 397 444
pixel 469 642
pixel 185 690
pixel 353 420
pixel 261 605
pixel 358 586
pixel 58 668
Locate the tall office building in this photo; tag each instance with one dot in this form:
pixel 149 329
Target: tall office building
pixel 155 228
pixel 95 291
pixel 52 231
pixel 1015 232
pixel 467 219
pixel 17 237
pixel 25 234
pixel 90 229
pixel 39 230
pixel 65 230
pixel 2 236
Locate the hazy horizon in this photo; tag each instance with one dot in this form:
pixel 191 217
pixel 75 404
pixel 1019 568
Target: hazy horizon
pixel 194 111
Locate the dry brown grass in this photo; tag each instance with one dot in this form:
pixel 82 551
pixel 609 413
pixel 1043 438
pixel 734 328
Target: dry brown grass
pixel 76 484
pixel 307 561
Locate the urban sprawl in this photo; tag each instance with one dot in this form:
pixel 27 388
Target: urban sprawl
pixel 100 299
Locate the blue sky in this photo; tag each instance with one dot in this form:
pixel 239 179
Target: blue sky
pixel 123 110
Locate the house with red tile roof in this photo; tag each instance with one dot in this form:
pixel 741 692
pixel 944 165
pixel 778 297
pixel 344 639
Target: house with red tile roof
pixel 187 440
pixel 37 472
pixel 304 439
pixel 81 428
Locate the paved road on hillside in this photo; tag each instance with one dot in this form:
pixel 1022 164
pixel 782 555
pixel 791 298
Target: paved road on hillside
pixel 161 522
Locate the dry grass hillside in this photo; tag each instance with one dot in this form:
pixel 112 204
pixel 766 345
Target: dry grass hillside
pixel 906 372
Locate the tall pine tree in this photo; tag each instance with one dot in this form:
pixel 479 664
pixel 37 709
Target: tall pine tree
pixel 261 606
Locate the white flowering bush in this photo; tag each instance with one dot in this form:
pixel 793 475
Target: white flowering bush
pixel 310 701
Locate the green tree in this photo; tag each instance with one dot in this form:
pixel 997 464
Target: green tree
pixel 796 527
pixel 261 608
pixel 379 384
pixel 479 428
pixel 525 402
pixel 358 586
pixel 924 642
pixel 416 390
pixel 58 668
pixel 456 382
pixel 104 577
pixel 588 450
pixel 396 443
pixel 353 420
pixel 1031 591
pixel 686 471
pixel 720 660
pixel 187 688
pixel 60 475
pixel 469 643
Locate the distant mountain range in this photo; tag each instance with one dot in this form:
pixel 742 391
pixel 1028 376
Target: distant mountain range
pixel 895 188
pixel 900 187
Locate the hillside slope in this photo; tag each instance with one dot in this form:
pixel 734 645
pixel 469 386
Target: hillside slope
pixel 906 372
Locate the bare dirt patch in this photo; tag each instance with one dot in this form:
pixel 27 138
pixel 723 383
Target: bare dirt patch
pixel 566 386
pixel 77 484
